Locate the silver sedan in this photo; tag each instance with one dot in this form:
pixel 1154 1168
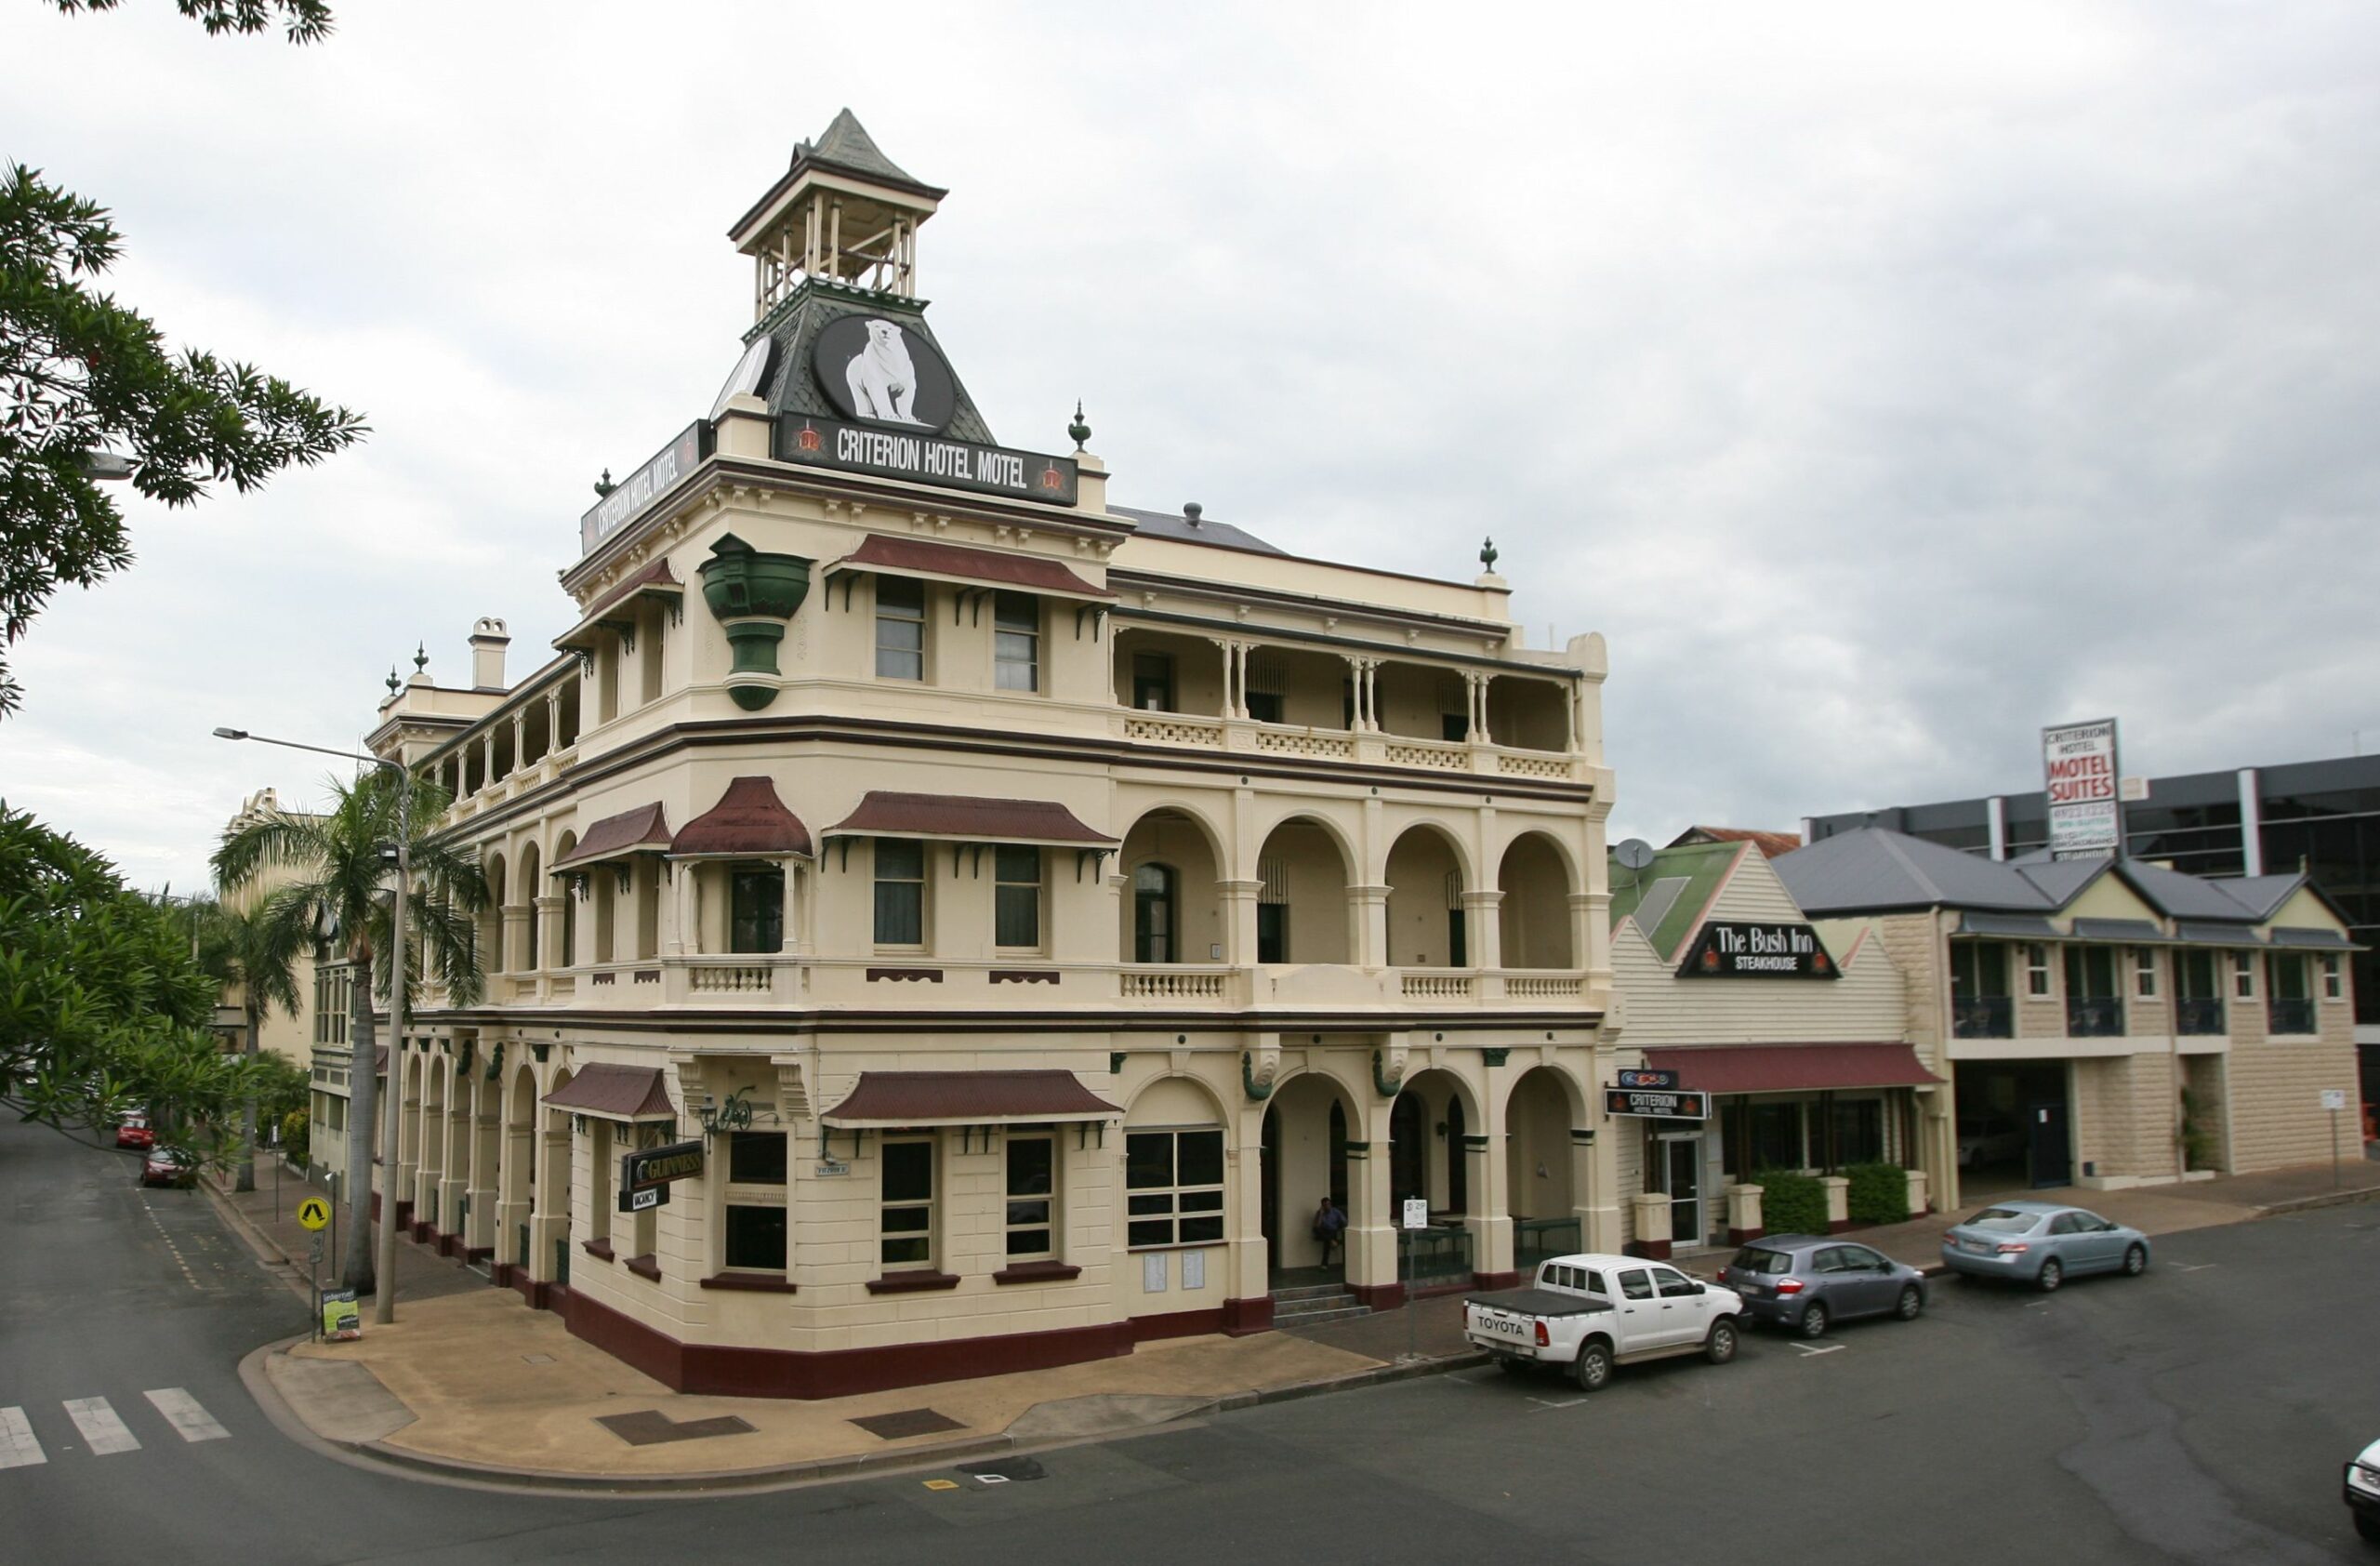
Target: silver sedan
pixel 2042 1243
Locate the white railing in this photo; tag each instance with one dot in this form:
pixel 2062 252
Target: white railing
pixel 1166 982
pixel 1541 987
pixel 1533 767
pixel 1436 754
pixel 1304 742
pixel 1174 728
pixel 1429 986
pixel 730 978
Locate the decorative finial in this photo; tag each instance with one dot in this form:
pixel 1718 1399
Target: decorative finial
pixel 420 656
pixel 1190 511
pixel 1488 554
pixel 393 681
pixel 603 486
pixel 1079 430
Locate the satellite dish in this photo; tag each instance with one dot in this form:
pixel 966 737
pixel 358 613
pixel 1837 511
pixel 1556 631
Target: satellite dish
pixel 1635 853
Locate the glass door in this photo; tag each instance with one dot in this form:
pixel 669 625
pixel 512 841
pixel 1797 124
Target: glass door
pixel 1682 1163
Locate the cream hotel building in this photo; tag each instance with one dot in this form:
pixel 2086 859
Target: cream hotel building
pixel 946 922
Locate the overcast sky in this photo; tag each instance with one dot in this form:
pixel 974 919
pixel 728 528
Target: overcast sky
pixel 1885 382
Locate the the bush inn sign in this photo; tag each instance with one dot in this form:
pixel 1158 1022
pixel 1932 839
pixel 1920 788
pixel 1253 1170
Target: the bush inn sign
pixel 1735 949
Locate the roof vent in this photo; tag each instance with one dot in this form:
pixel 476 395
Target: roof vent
pixel 1190 511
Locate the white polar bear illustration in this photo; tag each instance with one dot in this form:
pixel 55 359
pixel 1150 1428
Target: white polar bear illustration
pixel 883 382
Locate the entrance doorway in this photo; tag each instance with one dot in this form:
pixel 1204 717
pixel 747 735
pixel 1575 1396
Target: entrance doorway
pixel 2016 1130
pixel 1682 1177
pixel 1306 1159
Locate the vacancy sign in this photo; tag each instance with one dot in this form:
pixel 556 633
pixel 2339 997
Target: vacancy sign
pixel 2079 771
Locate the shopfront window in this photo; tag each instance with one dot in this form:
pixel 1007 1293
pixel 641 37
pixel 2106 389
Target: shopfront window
pixel 1016 642
pixel 900 628
pixel 906 1226
pixel 756 910
pixel 1776 1136
pixel 1032 1186
pixel 900 892
pixel 1859 1130
pixel 1174 1183
pixel 1017 897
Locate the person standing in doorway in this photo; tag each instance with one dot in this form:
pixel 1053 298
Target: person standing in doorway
pixel 1330 1229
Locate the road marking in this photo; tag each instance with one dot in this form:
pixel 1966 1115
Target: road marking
pixel 19 1449
pixel 182 1412
pixel 1820 1348
pixel 101 1426
pixel 1571 1404
pixel 2197 1266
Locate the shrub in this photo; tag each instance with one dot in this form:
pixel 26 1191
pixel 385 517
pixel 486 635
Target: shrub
pixel 1879 1193
pixel 1790 1203
pixel 293 1138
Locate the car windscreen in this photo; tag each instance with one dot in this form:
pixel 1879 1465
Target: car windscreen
pixel 2007 1220
pixel 1751 1259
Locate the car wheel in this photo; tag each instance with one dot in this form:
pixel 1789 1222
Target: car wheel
pixel 1720 1347
pixel 1911 1302
pixel 1813 1320
pixel 2051 1275
pixel 2369 1526
pixel 2135 1260
pixel 1592 1368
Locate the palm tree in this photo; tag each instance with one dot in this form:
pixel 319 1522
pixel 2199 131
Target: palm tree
pixel 330 872
pixel 246 948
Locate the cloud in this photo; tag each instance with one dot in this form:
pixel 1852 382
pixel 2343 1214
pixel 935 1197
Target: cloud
pixel 1884 382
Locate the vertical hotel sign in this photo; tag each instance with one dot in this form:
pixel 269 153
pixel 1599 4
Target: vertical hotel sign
pixel 2079 773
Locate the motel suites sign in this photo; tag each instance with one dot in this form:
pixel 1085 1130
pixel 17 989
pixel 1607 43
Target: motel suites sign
pixel 2079 773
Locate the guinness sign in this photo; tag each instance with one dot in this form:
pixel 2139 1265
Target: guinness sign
pixel 645 1175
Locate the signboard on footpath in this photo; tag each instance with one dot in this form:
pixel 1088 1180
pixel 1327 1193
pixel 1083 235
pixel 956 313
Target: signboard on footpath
pixel 2079 772
pixel 1733 948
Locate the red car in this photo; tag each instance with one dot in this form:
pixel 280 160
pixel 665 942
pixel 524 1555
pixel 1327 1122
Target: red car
pixel 133 1132
pixel 168 1166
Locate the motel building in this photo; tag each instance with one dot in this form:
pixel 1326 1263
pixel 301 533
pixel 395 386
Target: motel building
pixel 945 923
pixel 2103 1022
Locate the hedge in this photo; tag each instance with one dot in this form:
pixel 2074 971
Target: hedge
pixel 1790 1203
pixel 1879 1193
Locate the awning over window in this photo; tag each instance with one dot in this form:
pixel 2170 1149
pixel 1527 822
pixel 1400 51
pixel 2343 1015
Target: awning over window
pixel 1793 1068
pixel 2132 931
pixel 748 820
pixel 963 818
pixel 2009 926
pixel 2199 932
pixel 615 1093
pixel 964 563
pixel 644 829
pixel 2309 937
pixel 892 1098
pixel 656 581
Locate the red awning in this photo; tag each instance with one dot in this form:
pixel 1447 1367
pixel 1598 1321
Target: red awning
pixel 963 818
pixel 644 829
pixel 964 563
pixel 890 1098
pixel 748 820
pixel 655 580
pixel 1792 1067
pixel 615 1093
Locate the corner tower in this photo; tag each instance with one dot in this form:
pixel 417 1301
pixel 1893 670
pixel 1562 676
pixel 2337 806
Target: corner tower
pixel 844 213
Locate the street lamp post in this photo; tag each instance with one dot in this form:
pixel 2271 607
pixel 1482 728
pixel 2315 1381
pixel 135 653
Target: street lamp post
pixel 384 1266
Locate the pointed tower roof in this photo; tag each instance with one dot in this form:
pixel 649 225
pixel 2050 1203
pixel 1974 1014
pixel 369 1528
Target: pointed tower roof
pixel 847 145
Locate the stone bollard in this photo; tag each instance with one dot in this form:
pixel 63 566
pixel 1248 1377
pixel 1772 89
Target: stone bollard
pixel 1918 1205
pixel 1838 1202
pixel 1652 1226
pixel 1743 1215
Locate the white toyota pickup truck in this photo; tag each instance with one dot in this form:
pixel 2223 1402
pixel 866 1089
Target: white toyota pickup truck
pixel 1593 1312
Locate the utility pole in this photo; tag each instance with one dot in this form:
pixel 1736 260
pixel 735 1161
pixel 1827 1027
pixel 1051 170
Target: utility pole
pixel 384 1299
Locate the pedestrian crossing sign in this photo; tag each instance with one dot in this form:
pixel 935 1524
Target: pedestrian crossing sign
pixel 313 1211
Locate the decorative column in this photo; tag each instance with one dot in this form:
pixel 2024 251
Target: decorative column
pixel 520 1145
pixel 684 933
pixel 453 1164
pixel 512 955
pixel 479 1237
pixel 1247 1304
pixel 1371 1226
pixel 1368 911
pixel 1594 1182
pixel 791 933
pixel 1482 928
pixel 1240 920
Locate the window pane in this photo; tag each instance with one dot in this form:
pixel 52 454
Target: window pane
pixel 907 1220
pixel 1028 1213
pixel 900 595
pixel 1148 1159
pixel 1017 916
pixel 1202 1201
pixel 1197 1230
pixel 1030 1160
pixel 757 901
pixel 756 1237
pixel 756 1158
pixel 1016 863
pixel 1016 611
pixel 1146 1206
pixel 905 1252
pixel 900 913
pixel 1159 1232
pixel 1202 1158
pixel 908 1172
pixel 900 858
pixel 1028 1241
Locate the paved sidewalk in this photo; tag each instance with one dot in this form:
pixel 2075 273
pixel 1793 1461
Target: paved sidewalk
pixel 269 1216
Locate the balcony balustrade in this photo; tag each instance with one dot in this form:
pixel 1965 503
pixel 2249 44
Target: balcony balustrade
pixel 2291 1016
pixel 2093 1017
pixel 2198 1016
pixel 1983 1017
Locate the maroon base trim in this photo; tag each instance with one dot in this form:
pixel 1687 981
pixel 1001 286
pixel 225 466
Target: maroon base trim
pixel 1036 1272
pixel 1836 1226
pixel 747 1283
pixel 447 1245
pixel 912 1282
pixel 599 1249
pixel 716 1370
pixel 1651 1250
pixel 1744 1236
pixel 477 1254
pixel 1378 1296
pixel 1495 1279
pixel 419 1228
pixel 1243 1317
pixel 645 1266
pixel 501 1275
pixel 1176 1323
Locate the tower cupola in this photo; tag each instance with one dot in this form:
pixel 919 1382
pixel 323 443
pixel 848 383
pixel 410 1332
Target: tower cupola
pixel 844 213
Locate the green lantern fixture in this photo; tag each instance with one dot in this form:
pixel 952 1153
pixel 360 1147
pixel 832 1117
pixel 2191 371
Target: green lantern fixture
pixel 752 595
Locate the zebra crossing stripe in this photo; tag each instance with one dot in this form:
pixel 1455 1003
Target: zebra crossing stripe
pixel 102 1429
pixel 182 1412
pixel 19 1449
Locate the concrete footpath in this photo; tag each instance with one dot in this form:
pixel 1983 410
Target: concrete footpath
pixel 471 1384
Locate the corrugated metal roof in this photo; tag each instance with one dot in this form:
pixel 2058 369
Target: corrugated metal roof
pixel 643 829
pixel 2009 926
pixel 2202 933
pixel 1771 845
pixel 2303 936
pixel 1872 870
pixel 2185 896
pixel 963 818
pixel 2131 931
pixel 617 1092
pixel 1792 1067
pixel 1172 525
pixel 2061 880
pixel 887 1098
pixel 748 818
pixel 929 557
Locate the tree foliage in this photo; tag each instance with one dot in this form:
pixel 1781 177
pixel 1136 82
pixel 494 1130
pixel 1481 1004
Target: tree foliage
pixel 81 375
pixel 103 1009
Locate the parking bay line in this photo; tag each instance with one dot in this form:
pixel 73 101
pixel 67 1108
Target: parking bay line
pixel 97 1419
pixel 2194 1267
pixel 182 1412
pixel 1810 1348
pixel 18 1447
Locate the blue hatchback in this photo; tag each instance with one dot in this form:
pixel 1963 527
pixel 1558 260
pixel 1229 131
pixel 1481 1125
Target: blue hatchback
pixel 2042 1243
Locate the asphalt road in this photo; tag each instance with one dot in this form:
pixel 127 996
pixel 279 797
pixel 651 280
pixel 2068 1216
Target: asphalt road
pixel 2200 1413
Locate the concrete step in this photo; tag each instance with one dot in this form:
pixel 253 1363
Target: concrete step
pixel 1316 1317
pixel 1311 1291
pixel 1332 1305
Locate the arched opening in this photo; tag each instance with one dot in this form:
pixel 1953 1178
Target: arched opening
pixel 554 1197
pixel 520 1173
pixel 569 956
pixel 1173 913
pixel 1533 916
pixel 434 1146
pixel 1544 1170
pixel 409 1117
pixel 531 888
pixel 1306 1159
pixel 1425 913
pixel 490 930
pixel 1303 908
pixel 1525 714
pixel 1429 1160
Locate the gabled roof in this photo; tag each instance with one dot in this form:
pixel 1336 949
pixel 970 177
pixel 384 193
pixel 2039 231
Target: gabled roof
pixel 1668 896
pixel 2062 881
pixel 2262 894
pixel 1771 845
pixel 1870 870
pixel 2187 896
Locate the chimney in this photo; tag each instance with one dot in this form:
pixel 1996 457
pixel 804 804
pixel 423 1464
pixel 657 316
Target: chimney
pixel 488 641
